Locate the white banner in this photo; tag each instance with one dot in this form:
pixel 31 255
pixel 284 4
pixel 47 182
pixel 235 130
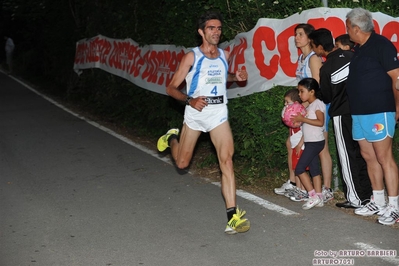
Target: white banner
pixel 268 52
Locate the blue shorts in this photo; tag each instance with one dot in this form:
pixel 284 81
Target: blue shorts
pixel 373 127
pixel 327 118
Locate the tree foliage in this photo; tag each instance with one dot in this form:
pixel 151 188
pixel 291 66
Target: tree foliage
pixel 46 31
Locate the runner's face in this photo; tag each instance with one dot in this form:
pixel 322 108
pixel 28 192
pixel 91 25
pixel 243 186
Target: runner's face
pixel 301 39
pixel 212 31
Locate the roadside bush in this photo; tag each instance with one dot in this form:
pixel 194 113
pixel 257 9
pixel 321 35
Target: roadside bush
pixel 47 52
pixel 259 134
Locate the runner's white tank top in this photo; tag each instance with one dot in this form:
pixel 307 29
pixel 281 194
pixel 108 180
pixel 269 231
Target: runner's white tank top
pixel 207 76
pixel 303 69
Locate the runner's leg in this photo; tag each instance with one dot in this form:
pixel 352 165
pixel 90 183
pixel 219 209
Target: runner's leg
pixel 222 139
pixel 182 150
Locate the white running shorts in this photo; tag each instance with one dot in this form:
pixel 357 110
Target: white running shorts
pixel 210 117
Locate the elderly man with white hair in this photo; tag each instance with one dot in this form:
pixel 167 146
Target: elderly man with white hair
pixel 374 103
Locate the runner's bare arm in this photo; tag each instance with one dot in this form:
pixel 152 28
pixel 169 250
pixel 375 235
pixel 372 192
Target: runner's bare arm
pixel 240 75
pixel 315 65
pixel 173 88
pixel 184 67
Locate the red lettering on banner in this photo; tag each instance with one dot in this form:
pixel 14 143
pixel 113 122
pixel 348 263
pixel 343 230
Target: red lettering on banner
pixel 236 57
pixel 160 66
pixel 390 30
pixel 119 55
pixel 334 24
pixel 287 66
pixel 169 63
pixel 265 35
pixel 104 48
pixel 272 49
pixel 148 72
pixel 376 26
pixel 125 56
pixel 80 53
pixel 136 61
pixel 161 70
pixel 237 60
pixel 96 50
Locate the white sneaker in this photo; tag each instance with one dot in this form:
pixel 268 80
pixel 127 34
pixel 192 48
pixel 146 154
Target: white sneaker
pixel 281 190
pixel 290 192
pixel 370 208
pixel 327 194
pixel 384 212
pixel 321 203
pixel 390 216
pixel 312 201
pixel 299 195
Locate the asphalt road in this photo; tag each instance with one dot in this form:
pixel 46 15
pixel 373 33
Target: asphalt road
pixel 73 194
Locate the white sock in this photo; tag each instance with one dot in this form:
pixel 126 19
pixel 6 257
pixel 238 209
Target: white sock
pixel 379 197
pixel 394 201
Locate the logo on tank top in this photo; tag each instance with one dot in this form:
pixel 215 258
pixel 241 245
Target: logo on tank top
pixel 214 80
pixel 378 128
pixel 213 73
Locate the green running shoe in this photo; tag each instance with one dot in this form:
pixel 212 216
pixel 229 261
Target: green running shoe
pixel 163 140
pixel 237 224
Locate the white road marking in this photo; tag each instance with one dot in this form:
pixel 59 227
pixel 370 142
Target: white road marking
pixel 368 247
pixel 95 124
pixel 262 202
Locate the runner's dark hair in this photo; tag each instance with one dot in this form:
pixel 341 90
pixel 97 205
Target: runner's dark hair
pixel 208 16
